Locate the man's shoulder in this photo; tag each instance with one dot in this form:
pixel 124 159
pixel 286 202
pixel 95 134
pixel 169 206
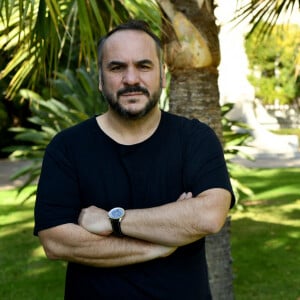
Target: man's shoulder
pixel 82 126
pixel 75 133
pixel 184 123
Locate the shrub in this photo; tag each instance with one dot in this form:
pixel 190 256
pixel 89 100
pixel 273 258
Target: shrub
pixel 76 99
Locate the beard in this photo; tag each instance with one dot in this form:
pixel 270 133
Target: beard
pixel 115 105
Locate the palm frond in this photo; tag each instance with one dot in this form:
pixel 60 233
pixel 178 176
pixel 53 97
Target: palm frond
pixel 42 36
pixel 267 11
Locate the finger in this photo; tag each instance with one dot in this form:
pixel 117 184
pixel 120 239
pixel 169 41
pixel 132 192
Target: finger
pixel 189 195
pixel 182 197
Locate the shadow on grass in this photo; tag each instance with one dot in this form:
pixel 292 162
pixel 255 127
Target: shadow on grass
pixel 7 209
pixel 16 223
pixel 293 215
pixel 276 185
pixel 266 260
pixel 25 271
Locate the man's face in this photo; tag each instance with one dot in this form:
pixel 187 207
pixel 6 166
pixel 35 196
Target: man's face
pixel 131 76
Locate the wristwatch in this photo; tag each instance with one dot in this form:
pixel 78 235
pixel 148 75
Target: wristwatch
pixel 115 215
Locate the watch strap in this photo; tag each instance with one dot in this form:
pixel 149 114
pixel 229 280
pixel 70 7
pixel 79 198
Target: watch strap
pixel 116 227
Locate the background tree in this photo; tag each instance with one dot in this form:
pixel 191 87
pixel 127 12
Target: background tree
pixel 274 73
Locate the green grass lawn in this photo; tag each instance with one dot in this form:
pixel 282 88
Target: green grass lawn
pixel 25 272
pixel 266 236
pixel 265 243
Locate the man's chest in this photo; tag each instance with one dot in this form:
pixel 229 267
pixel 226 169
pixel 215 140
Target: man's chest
pixel 131 179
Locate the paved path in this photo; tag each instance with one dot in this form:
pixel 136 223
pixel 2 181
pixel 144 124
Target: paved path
pixel 270 162
pixel 8 168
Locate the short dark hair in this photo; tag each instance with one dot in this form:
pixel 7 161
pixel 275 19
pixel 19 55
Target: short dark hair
pixel 130 25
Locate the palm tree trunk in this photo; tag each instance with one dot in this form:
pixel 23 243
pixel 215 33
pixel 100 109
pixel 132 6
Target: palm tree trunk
pixel 194 93
pixel 192 56
pixel 219 260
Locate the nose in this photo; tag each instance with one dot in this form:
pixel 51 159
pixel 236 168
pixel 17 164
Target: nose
pixel 131 76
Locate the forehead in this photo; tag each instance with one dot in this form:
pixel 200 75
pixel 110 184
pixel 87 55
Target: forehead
pixel 129 44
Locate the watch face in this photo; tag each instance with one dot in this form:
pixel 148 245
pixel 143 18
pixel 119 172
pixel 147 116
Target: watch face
pixel 116 213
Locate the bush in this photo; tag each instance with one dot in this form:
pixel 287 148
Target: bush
pixel 76 99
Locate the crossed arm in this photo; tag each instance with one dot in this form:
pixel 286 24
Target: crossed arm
pixel 150 233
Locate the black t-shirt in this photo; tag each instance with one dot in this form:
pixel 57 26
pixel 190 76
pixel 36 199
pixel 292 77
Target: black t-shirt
pixel 83 166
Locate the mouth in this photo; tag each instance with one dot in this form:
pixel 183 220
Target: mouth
pixel 133 94
pixel 133 91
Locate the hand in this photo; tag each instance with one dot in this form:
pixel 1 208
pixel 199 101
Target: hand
pixel 95 220
pixel 185 196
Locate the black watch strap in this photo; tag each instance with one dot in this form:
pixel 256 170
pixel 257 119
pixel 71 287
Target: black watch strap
pixel 116 227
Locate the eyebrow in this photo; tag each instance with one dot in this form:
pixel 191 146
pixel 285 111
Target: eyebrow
pixel 145 61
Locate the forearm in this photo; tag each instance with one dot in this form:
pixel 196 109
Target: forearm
pixel 71 242
pixel 179 223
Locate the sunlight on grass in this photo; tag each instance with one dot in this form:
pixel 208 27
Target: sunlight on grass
pixel 265 236
pixel 39 251
pixel 25 271
pixel 278 192
pixel 269 215
pixel 294 234
pixel 274 244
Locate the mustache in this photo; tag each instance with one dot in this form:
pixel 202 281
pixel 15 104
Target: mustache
pixel 131 89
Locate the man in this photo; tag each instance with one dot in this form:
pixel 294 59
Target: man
pixel 127 197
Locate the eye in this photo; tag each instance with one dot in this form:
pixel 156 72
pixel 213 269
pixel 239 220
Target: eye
pixel 116 68
pixel 145 67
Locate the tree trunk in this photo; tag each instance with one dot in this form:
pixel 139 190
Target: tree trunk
pixel 194 94
pixel 219 260
pixel 192 56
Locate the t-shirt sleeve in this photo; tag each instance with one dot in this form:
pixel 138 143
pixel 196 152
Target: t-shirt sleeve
pixel 58 200
pixel 205 165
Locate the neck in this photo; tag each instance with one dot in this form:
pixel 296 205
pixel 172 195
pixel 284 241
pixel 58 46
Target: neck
pixel 126 131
